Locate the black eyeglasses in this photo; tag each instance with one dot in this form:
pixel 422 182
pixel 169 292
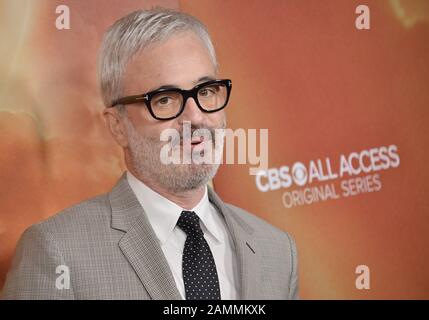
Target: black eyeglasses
pixel 166 104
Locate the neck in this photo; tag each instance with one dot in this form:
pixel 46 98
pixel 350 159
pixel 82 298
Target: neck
pixel 186 199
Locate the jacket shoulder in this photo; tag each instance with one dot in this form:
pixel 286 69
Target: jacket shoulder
pixel 88 213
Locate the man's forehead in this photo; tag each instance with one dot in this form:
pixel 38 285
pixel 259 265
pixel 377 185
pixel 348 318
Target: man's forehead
pixel 173 46
pixel 183 62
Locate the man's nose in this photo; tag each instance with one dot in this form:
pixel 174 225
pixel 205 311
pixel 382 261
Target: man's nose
pixel 192 112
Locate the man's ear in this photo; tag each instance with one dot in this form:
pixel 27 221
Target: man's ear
pixel 114 121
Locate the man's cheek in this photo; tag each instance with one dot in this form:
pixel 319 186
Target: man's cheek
pixel 218 120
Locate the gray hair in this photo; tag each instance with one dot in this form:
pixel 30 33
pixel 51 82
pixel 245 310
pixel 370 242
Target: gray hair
pixel 135 31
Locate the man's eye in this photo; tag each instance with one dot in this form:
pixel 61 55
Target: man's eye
pixel 163 101
pixel 203 92
pixel 208 91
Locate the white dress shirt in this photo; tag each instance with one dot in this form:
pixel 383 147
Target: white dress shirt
pixel 163 215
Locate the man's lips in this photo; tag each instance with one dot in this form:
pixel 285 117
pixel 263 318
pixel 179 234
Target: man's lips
pixel 196 141
pixel 193 141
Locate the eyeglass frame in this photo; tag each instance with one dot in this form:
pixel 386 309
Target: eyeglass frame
pixel 186 94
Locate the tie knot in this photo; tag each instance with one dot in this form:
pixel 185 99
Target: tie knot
pixel 189 222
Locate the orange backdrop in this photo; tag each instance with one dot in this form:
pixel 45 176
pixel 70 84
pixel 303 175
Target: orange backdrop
pixel 301 69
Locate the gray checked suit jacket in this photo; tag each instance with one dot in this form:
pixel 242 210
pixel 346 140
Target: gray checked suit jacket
pixel 112 252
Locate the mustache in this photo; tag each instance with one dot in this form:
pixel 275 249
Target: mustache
pixel 206 132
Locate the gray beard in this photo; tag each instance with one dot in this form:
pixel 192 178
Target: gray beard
pixel 145 158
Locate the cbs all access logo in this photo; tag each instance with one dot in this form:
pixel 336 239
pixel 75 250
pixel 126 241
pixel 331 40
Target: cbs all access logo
pixel 350 175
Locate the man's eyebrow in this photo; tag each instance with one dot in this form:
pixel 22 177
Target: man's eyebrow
pixel 204 79
pixel 170 86
pixel 166 86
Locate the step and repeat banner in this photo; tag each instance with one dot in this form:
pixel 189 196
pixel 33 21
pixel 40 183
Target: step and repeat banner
pixel 334 92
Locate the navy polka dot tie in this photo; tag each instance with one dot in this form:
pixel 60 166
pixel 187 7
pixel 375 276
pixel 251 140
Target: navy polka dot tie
pixel 198 266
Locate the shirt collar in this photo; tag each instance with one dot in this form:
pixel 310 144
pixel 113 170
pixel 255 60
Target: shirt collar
pixel 163 213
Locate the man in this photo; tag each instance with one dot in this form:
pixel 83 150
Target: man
pixel 160 233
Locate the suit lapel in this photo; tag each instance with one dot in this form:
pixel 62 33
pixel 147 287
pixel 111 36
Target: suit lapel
pixel 246 248
pixel 140 244
pixel 141 247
